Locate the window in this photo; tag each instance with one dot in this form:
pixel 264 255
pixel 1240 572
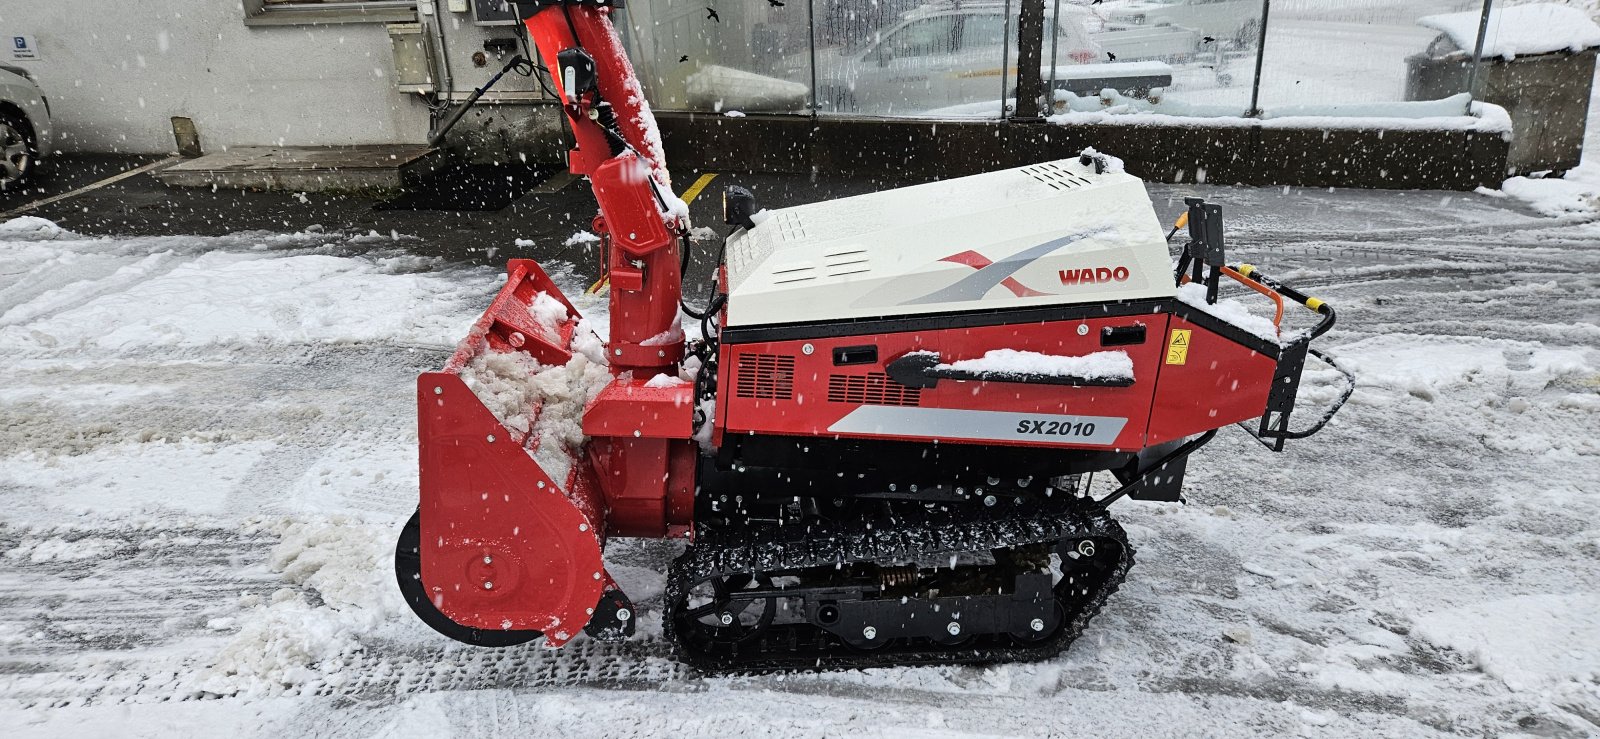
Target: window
pixel 290 12
pixel 925 37
pixel 979 31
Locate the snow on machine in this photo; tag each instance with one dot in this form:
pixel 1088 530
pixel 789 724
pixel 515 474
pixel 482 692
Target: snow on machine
pixel 876 451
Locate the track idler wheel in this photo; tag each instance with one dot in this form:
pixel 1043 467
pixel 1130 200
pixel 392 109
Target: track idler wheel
pixel 408 571
pixel 712 616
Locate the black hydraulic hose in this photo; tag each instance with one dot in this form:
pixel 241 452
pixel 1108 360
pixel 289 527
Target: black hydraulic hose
pixel 1173 456
pixel 518 63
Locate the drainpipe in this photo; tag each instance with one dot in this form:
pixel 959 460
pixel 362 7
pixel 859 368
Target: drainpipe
pixel 448 85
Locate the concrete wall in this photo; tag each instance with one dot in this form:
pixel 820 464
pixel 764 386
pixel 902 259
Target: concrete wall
pixel 515 120
pixel 1370 158
pixel 116 71
pixel 1547 96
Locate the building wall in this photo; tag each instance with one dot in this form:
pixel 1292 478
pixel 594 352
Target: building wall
pixel 116 71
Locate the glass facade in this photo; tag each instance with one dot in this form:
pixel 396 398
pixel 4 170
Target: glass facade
pixel 953 60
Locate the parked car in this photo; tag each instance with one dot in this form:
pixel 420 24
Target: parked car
pixel 24 126
pixel 938 56
pixel 1238 21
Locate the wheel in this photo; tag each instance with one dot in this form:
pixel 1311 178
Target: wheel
pixel 709 614
pixel 17 151
pixel 408 573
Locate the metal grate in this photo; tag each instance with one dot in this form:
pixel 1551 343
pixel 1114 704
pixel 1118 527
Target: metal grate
pixel 872 389
pixel 1055 176
pixel 765 376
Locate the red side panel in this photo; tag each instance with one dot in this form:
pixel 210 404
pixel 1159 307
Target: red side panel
pixel 642 457
pixel 629 408
pixel 507 326
pixel 503 547
pixel 1218 382
pixel 795 387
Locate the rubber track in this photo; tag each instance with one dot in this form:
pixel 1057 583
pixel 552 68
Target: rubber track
pixel 767 547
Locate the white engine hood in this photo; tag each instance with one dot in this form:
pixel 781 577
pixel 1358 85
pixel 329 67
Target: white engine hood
pixel 1045 234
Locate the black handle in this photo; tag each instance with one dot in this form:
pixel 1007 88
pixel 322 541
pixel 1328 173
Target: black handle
pixel 921 369
pixel 1314 304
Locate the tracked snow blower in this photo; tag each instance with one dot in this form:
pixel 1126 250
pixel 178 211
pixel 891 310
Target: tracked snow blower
pixel 876 451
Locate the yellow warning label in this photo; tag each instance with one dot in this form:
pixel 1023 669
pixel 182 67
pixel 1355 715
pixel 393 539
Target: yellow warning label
pixel 1178 346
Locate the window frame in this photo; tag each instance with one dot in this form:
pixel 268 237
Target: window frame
pixel 262 13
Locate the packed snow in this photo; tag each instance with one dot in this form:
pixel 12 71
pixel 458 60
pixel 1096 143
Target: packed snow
pixel 207 446
pixel 1231 310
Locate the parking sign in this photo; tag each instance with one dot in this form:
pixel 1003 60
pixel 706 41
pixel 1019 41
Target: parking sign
pixel 23 47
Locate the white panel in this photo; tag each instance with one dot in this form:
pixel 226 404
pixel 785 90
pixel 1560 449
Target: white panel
pixel 1045 234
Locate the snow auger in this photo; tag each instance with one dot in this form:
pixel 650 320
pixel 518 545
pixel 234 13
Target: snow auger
pixel 876 452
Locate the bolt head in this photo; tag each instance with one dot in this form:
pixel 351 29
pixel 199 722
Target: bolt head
pixel 438 390
pixel 491 438
pixel 954 628
pixel 488 585
pixel 726 619
pixel 624 614
pixel 869 633
pixel 488 560
pixel 1086 548
pixel 989 500
pixel 1036 624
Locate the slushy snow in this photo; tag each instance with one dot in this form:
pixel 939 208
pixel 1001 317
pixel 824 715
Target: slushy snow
pixel 204 463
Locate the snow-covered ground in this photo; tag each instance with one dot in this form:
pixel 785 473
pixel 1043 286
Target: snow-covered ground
pixel 207 447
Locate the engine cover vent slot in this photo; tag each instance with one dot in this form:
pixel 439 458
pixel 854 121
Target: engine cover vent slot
pixel 871 389
pixel 1056 176
pixel 768 376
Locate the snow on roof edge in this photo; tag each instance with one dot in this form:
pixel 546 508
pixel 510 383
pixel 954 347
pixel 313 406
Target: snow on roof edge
pixel 1523 30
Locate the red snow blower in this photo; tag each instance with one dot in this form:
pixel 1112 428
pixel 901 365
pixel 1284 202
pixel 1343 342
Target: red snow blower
pixel 877 451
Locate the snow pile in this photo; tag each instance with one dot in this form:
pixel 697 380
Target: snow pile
pixel 1112 365
pixel 665 380
pixel 29 228
pixel 306 635
pixel 581 237
pixel 1523 30
pixel 549 312
pixel 541 406
pixel 287 646
pixel 1576 194
pixel 1230 310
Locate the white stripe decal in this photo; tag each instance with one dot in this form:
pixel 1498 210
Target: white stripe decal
pixel 955 423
